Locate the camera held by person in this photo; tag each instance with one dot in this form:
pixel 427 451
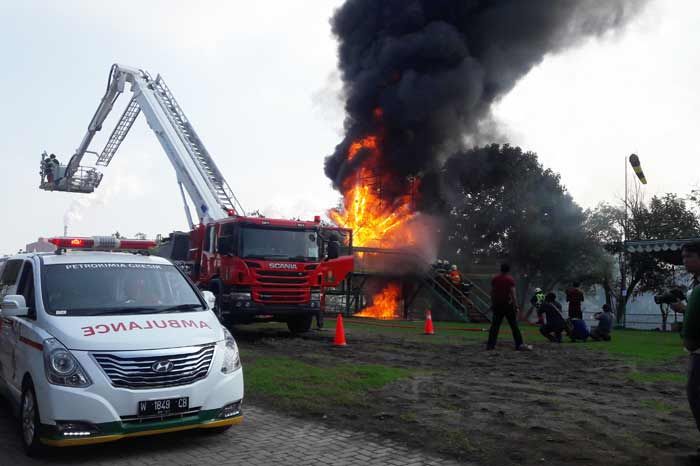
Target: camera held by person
pixel 672 296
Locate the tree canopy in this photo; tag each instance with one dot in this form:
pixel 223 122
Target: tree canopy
pixel 664 217
pixel 503 203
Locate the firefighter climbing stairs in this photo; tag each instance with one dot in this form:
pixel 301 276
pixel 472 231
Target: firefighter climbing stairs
pixel 471 306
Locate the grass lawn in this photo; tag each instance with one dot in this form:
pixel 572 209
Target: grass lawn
pixel 290 383
pixel 645 346
pixel 297 385
pixel 635 345
pixel 657 377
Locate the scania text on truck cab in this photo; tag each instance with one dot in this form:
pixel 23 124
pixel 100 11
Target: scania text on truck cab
pixel 100 346
pixel 257 267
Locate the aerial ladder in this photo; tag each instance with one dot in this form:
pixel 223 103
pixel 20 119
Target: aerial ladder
pixel 196 171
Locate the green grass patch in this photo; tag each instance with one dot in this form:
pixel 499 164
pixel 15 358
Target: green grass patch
pixel 657 377
pixel 657 405
pixel 643 346
pixel 294 384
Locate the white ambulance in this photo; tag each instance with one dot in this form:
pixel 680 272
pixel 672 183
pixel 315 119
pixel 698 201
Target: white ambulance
pixel 98 346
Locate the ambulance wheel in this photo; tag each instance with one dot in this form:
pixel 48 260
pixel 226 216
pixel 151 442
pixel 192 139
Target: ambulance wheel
pixel 299 324
pixel 29 421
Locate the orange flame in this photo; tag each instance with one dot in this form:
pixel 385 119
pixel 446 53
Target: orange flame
pixel 370 142
pixel 385 304
pixel 374 221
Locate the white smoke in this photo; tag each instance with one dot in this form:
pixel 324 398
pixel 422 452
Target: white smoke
pixel 120 182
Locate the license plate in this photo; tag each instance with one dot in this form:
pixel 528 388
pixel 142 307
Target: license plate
pixel 165 406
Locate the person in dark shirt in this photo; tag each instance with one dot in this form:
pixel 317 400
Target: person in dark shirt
pixel 504 305
pixel 605 320
pixel 574 296
pixel 555 324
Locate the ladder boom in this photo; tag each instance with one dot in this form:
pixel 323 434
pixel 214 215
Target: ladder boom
pixel 196 170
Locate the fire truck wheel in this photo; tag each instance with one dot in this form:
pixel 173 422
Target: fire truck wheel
pixel 299 324
pixel 29 422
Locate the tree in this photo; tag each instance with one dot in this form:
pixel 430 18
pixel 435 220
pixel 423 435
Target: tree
pixel 501 202
pixel 664 217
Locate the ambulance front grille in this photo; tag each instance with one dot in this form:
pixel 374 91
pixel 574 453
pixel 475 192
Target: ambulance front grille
pixel 137 370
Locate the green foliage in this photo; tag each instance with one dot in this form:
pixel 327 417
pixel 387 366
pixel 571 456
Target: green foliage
pixel 503 203
pixel 664 217
pixel 291 382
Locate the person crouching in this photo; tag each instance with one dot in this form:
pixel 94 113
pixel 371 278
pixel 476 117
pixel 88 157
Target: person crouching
pixel 555 324
pixel 604 328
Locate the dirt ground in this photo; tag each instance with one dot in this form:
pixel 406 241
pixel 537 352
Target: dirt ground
pixel 560 404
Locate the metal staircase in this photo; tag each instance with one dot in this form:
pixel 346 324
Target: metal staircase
pixel 471 307
pixel 195 147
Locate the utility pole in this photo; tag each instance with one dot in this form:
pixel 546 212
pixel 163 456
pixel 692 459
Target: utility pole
pixel 621 305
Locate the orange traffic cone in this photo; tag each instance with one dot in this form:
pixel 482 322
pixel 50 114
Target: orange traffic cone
pixel 339 339
pixel 429 329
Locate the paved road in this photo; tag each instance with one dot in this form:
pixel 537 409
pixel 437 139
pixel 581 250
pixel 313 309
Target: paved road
pixel 263 439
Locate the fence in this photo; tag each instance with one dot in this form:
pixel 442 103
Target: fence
pixel 641 321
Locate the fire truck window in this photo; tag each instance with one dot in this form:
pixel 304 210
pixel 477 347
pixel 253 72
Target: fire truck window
pixel 10 272
pixel 26 288
pixel 212 239
pixel 209 239
pixel 9 276
pixel 226 242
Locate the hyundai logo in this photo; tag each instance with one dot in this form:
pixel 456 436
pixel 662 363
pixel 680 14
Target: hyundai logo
pixel 162 367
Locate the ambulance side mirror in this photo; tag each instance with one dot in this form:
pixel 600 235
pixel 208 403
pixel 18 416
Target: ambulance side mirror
pixel 209 298
pixel 14 305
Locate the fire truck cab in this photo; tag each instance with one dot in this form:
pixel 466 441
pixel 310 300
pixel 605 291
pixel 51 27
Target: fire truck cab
pixel 98 346
pixel 262 269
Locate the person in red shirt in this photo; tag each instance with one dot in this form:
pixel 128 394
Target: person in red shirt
pixel 504 304
pixel 574 296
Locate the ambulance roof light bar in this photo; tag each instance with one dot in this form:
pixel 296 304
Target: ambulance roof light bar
pixel 101 243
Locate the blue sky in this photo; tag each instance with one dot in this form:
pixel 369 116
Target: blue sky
pixel 258 81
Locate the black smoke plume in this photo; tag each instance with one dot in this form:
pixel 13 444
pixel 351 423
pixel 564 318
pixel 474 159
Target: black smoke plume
pixel 435 67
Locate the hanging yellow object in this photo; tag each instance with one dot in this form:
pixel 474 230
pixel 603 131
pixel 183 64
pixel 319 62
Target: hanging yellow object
pixel 637 166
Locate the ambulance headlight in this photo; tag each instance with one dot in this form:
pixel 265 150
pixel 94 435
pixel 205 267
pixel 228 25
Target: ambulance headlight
pixel 61 366
pixel 232 360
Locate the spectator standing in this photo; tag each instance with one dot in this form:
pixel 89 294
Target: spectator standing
pixel 574 296
pixel 555 323
pixel 504 305
pixel 604 328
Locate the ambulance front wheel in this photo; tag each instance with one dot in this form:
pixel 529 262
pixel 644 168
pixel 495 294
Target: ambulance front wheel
pixel 29 421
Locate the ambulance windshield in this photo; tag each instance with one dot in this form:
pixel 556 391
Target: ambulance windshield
pixel 116 288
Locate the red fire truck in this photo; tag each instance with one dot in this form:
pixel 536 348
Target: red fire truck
pixel 258 268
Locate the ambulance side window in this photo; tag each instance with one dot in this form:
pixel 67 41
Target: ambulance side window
pixel 8 279
pixel 26 288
